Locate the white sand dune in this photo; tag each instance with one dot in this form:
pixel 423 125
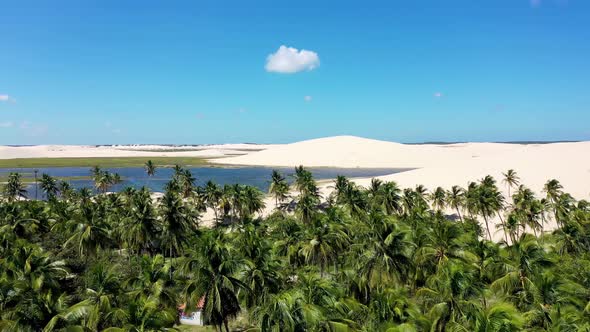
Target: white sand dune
pixel 439 164
pixel 433 164
pixel 86 151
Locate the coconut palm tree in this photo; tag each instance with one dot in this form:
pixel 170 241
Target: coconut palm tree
pixel 527 259
pixel 177 223
pixel 213 195
pixel 511 180
pixel 497 317
pixel 304 181
pixel 252 201
pixel 14 188
pixel 448 294
pixel 49 186
pixel 65 190
pixel 279 188
pixel 150 169
pixel 141 227
pixel 90 231
pixel 307 207
pixel 456 199
pixel 438 199
pixel 553 189
pixel 211 272
pixel 375 194
pixel 392 198
pixel 188 183
pixel 324 240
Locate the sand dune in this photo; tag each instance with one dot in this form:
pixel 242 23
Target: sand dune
pixel 433 164
pixel 86 151
pixel 439 165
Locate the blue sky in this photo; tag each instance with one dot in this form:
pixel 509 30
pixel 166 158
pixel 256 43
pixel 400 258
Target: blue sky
pixel 103 72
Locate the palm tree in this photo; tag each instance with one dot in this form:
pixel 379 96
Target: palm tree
pixel 252 201
pixel 553 189
pixel 14 188
pixel 438 199
pixel 187 182
pixel 304 181
pixel 528 258
pixel 89 230
pixel 150 169
pixel 375 193
pixel 144 314
pixel 324 241
pixel 456 199
pixel 511 180
pixel 141 227
pixel 65 189
pixel 447 293
pixel 392 198
pixel 103 293
pixel 30 286
pixel 278 187
pixel 341 184
pixel 307 207
pixel 211 273
pixel 36 172
pixel 488 201
pixel 497 317
pixel 49 186
pixel 212 195
pixel 387 257
pixel 177 224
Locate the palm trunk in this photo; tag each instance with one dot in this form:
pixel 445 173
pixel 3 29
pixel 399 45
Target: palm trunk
pixel 459 213
pixel 543 229
pixel 487 226
pixel 503 226
pixel 226 324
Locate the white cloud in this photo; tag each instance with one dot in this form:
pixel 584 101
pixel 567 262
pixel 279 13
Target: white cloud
pixel 6 98
pixel 438 94
pixel 307 98
pixel 6 124
pixel 289 60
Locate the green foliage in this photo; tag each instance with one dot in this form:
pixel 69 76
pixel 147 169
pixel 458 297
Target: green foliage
pixel 363 259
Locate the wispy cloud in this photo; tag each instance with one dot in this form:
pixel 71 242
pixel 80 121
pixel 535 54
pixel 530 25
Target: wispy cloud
pixel 110 127
pixel 200 116
pixel 6 98
pixel 289 60
pixel 307 98
pixel 438 94
pixel 535 3
pixel 33 129
pixel 6 124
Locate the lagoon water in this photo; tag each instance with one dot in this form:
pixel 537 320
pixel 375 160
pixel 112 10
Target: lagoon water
pixel 254 176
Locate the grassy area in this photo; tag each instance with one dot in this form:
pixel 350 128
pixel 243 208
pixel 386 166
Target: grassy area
pixel 102 161
pixel 28 179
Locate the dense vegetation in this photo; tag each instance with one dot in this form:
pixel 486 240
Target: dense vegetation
pixel 375 259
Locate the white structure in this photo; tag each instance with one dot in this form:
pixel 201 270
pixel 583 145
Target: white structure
pixel 195 318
